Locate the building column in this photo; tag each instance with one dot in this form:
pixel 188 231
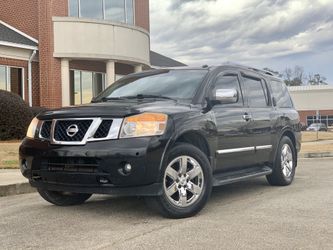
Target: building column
pixel 137 68
pixel 65 82
pixel 110 72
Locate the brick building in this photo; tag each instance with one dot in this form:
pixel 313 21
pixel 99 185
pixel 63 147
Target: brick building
pixel 313 103
pixel 56 53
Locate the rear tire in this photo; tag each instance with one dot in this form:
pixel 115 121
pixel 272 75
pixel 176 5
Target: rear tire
pixel 63 198
pixel 284 166
pixel 187 183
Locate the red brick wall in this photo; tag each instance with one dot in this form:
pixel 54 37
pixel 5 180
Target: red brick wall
pixel 121 69
pixel 21 14
pixel 303 114
pixel 88 65
pixel 50 67
pixel 142 14
pixel 124 69
pixel 35 84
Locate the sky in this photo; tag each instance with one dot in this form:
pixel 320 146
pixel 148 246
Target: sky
pixel 266 33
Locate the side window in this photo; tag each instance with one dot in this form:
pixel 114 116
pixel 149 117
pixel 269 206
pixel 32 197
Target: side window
pixel 256 91
pixel 229 81
pixel 281 94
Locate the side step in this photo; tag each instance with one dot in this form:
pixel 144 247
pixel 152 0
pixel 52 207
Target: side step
pixel 240 175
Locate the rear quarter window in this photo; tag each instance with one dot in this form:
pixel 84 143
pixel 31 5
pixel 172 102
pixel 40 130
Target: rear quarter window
pixel 281 94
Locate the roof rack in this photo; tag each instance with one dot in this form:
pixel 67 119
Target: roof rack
pixel 251 68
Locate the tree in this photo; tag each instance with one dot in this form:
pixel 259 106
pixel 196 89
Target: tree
pixel 294 77
pixel 316 79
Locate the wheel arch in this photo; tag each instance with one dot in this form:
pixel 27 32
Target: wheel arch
pixel 195 138
pixel 290 134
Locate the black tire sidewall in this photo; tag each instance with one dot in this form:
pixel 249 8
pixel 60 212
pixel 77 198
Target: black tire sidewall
pixel 278 175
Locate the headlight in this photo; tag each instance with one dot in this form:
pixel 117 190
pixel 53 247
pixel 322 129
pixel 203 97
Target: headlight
pixel 146 124
pixel 32 128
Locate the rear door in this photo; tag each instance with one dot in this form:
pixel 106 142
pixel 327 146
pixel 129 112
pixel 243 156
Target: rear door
pixel 260 125
pixel 234 145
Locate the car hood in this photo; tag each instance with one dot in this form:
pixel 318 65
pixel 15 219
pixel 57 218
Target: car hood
pixel 116 109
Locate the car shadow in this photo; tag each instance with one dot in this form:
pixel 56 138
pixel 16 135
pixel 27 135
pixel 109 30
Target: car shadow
pixel 135 207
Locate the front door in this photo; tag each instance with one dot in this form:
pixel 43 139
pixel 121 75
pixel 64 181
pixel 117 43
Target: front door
pixel 234 146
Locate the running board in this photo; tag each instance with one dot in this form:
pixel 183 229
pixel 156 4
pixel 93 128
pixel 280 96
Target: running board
pixel 240 175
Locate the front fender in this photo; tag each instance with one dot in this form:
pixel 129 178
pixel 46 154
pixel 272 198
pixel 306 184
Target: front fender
pixel 196 123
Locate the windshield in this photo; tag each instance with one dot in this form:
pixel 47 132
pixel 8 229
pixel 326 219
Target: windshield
pixel 173 84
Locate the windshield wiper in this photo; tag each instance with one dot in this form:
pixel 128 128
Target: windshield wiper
pixel 105 99
pixel 143 96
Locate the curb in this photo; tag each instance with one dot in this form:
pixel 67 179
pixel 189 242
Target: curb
pixel 14 189
pixel 317 155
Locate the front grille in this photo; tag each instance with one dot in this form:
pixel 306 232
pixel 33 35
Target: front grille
pixel 74 131
pixel 61 130
pixel 72 164
pixel 46 130
pixel 103 129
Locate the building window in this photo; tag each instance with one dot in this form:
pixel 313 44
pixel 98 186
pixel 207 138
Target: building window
pixel 121 11
pixel 11 79
pixel 85 85
pixel 73 8
pixel 3 78
pixel 325 119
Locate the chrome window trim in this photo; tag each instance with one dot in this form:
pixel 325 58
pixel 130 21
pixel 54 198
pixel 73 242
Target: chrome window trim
pixel 89 136
pixel 245 149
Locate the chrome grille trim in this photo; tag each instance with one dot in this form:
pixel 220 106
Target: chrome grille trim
pixel 89 136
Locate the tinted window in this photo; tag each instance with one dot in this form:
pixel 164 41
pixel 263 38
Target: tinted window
pixel 129 12
pixel 92 9
pixel 281 94
pixel 115 10
pixel 228 81
pixel 177 84
pixel 74 8
pixel 256 92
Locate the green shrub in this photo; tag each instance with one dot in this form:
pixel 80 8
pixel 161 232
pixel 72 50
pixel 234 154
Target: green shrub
pixel 15 116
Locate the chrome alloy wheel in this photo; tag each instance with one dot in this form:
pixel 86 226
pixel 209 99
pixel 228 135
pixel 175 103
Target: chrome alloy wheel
pixel 183 181
pixel 287 163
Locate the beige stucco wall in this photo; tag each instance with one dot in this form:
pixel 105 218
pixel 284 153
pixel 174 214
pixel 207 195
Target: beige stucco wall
pixel 100 40
pixel 312 97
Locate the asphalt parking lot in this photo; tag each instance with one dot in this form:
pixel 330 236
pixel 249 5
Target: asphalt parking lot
pixel 251 215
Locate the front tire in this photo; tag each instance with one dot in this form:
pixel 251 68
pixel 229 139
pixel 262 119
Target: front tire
pixel 187 183
pixel 63 198
pixel 284 166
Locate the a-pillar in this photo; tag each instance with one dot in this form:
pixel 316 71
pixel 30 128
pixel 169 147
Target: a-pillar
pixel 110 72
pixel 65 85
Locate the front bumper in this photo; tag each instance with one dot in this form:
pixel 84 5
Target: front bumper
pixel 97 167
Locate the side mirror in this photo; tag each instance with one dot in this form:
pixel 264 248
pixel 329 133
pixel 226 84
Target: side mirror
pixel 226 96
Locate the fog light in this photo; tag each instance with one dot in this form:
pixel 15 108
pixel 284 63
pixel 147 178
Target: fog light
pixel 127 168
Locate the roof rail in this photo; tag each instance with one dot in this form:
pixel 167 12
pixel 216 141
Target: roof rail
pixel 251 68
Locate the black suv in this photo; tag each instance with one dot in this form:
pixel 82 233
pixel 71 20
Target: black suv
pixel 169 135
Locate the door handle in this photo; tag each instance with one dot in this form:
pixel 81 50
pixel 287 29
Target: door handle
pixel 247 117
